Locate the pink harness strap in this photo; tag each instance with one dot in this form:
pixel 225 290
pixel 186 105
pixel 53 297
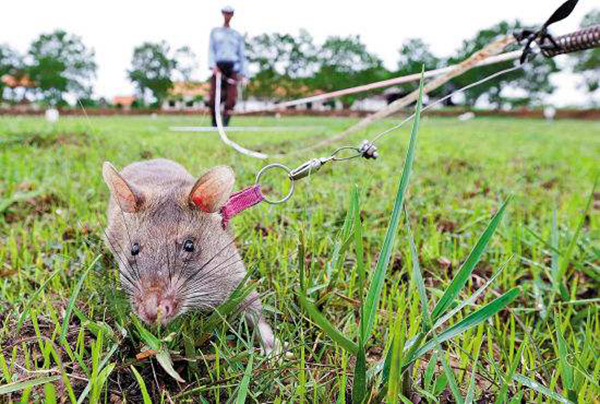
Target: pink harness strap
pixel 240 201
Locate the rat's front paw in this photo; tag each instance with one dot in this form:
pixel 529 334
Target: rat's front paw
pixel 271 347
pixel 277 350
pixel 268 342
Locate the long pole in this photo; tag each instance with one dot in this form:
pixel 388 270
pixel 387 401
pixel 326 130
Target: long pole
pixel 385 83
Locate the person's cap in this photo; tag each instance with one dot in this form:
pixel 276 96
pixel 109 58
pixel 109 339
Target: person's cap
pixel 227 9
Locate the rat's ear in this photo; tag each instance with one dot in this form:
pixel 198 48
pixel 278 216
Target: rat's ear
pixel 128 198
pixel 213 189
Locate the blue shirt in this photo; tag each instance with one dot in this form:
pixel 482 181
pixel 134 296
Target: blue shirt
pixel 227 45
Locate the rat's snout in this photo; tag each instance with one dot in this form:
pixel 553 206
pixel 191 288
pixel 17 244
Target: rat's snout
pixel 155 307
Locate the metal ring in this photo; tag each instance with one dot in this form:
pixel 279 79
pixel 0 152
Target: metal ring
pixel 288 172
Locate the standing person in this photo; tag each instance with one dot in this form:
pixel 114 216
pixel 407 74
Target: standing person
pixel 226 55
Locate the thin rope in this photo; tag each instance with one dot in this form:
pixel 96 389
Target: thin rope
pixel 221 129
pixel 461 90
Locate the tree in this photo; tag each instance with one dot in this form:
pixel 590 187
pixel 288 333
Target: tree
pixel 345 62
pixel 60 63
pixel 283 63
pixel 290 66
pixel 154 66
pixel 10 64
pixel 533 80
pixel 186 62
pixel 587 63
pixel 414 54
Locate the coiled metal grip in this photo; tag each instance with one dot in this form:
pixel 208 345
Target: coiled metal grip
pixel 587 38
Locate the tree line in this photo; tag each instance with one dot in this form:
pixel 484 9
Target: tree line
pixel 285 66
pixel 55 64
pixel 292 66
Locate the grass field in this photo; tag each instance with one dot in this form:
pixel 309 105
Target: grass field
pixel 66 333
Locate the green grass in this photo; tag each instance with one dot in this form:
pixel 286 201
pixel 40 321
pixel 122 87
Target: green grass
pixel 63 324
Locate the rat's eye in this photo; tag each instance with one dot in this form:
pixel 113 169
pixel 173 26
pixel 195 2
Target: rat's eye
pixel 135 249
pixel 188 245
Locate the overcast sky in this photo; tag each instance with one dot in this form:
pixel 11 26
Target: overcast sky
pixel 113 28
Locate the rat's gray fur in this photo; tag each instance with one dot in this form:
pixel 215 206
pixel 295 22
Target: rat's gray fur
pixel 160 219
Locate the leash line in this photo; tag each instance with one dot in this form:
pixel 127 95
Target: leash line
pixel 548 46
pixel 367 149
pixel 459 91
pixel 219 121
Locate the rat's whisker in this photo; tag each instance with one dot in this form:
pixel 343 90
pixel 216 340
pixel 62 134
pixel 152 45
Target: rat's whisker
pixel 175 242
pixel 201 272
pixel 128 233
pixel 123 261
pixel 207 279
pixel 166 246
pixel 122 252
pixel 226 263
pixel 119 253
pixel 130 283
pixel 129 292
pixel 207 276
pixel 207 263
pixel 202 275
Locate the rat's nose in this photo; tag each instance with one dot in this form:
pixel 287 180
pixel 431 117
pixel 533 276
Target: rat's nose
pixel 166 308
pixel 155 307
pixel 149 308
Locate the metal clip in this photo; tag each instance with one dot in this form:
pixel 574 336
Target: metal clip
pixel 368 150
pixel 308 168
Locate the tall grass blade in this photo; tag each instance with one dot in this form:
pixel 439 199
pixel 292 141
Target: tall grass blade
pixel 144 390
pixel 74 296
pixel 430 371
pixel 450 376
pixel 418 277
pixel 468 322
pixel 100 382
pixel 555 263
pixel 359 390
pixel 471 299
pixel 471 390
pixel 565 366
pixel 245 384
pixel 301 264
pixel 360 255
pixel 541 389
pixel 341 246
pixel 467 268
pixel 88 388
pixel 397 349
pixel 18 386
pixel 503 395
pixel 372 301
pixel 4 366
pixel 326 326
pixel 63 372
pixel 27 307
pixel 568 255
pixel 50 394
